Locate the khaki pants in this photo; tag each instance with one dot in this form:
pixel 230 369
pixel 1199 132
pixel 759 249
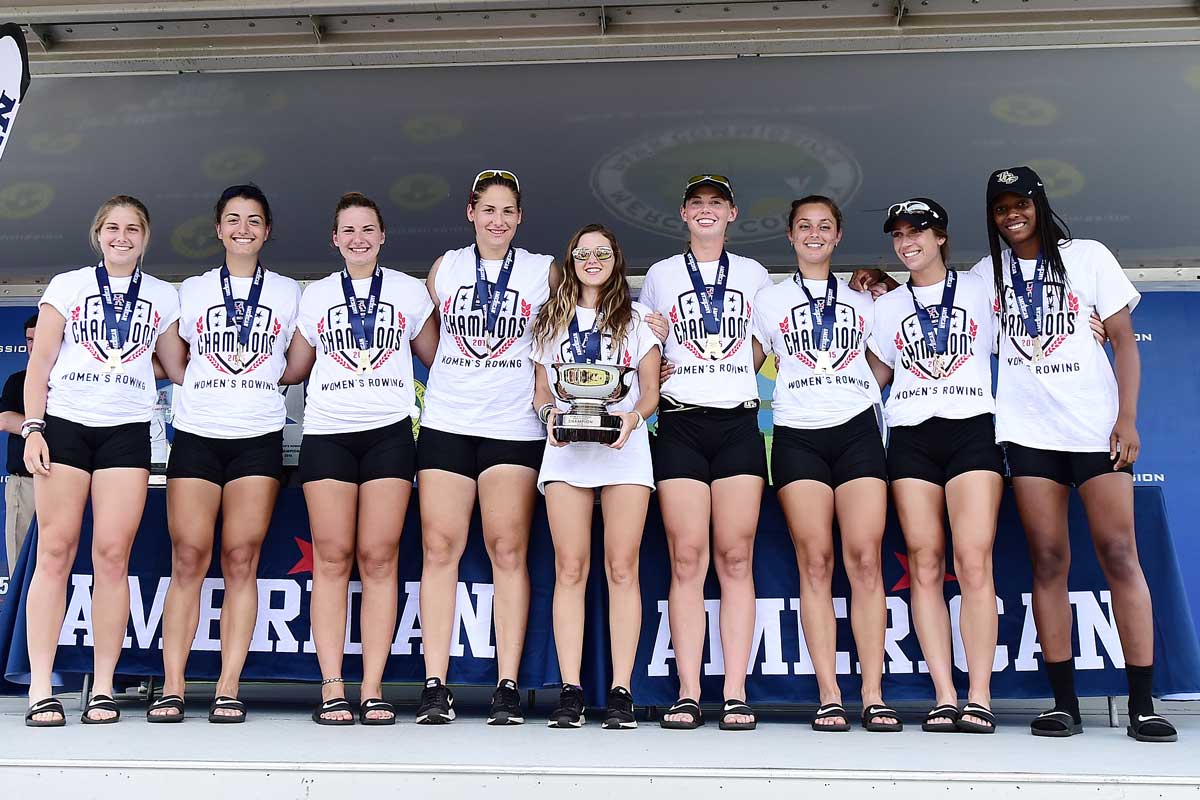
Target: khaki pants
pixel 18 513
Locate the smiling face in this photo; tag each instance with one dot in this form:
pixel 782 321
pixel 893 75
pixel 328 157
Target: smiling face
pixel 242 227
pixel 495 216
pixel 707 213
pixel 1016 218
pixel 122 237
pixel 358 236
pixel 814 233
pixel 594 271
pixel 917 249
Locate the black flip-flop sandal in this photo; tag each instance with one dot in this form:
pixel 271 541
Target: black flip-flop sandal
pixel 1055 723
pixel 976 710
pixel 832 711
pixel 376 704
pixel 100 702
pixel 870 712
pixel 733 708
pixel 51 705
pixel 226 703
pixel 1151 728
pixel 328 707
pixel 946 711
pixel 685 706
pixel 172 702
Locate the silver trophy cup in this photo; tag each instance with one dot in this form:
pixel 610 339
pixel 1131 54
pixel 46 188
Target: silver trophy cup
pixel 589 388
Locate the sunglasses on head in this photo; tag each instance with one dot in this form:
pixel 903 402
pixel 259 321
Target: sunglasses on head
pixel 911 207
pixel 582 254
pixel 721 179
pixel 488 174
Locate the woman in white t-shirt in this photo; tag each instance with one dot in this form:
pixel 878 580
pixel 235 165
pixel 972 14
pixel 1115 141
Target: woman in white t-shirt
pixel 1066 420
pixel 89 395
pixel 360 328
pixel 591 319
pixel 827 454
pixel 480 437
pixel 227 455
pixel 709 461
pixel 934 339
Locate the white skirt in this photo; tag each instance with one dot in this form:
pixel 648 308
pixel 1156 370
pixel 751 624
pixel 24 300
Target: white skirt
pixel 588 464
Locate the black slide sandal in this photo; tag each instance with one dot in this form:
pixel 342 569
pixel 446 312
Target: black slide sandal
pixel 946 711
pixel 168 701
pixel 685 706
pixel 1055 723
pixel 832 711
pixel 228 703
pixel 1151 728
pixel 976 710
pixel 376 704
pixel 329 706
pixel 51 705
pixel 870 712
pixel 733 708
pixel 100 702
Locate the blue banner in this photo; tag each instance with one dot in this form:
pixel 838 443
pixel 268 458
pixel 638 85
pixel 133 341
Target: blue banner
pixel 781 670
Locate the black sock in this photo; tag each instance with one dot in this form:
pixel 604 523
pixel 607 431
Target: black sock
pixel 1062 683
pixel 1141 702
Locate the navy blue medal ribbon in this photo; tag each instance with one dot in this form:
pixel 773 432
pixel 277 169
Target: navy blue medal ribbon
pixel 1029 297
pixel 710 306
pixel 240 314
pixel 935 321
pixel 823 316
pixel 585 347
pixel 491 297
pixel 117 324
pixel 362 314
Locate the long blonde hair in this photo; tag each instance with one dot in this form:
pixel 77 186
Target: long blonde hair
pixel 615 308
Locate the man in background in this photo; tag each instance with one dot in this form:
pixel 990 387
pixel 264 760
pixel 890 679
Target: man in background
pixel 18 490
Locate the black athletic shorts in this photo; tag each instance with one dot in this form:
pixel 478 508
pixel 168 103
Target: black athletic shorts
pixel 471 456
pixel 707 444
pixel 1069 469
pixel 832 456
pixel 220 461
pixel 939 449
pixel 91 449
pixel 359 456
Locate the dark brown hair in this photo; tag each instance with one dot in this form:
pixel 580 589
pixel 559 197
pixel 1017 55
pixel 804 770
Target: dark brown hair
pixel 816 198
pixel 487 183
pixel 357 200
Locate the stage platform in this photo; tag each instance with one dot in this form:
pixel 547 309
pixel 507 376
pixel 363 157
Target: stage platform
pixel 280 753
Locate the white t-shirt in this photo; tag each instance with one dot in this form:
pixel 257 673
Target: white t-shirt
pixel 588 464
pixel 225 396
pixel 803 398
pixel 698 380
pixel 340 399
pixel 82 388
pixel 1068 401
pixel 481 384
pixel 964 388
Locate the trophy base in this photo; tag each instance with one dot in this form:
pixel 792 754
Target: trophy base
pixel 598 428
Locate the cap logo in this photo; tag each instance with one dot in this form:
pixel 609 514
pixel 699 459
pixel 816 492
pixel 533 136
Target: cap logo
pixel 1007 178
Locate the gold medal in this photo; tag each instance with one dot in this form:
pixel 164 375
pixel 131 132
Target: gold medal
pixel 236 357
pixel 824 362
pixel 114 361
pixel 1037 355
pixel 364 361
pixel 938 366
pixel 712 347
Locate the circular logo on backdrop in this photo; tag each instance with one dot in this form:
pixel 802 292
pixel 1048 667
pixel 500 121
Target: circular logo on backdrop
pixel 232 163
pixel 1025 110
pixel 1060 178
pixel 429 128
pixel 24 200
pixel 196 238
pixel 768 164
pixel 419 192
pixel 55 144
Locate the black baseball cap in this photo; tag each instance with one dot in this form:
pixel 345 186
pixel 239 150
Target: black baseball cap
pixel 1015 180
pixel 920 212
pixel 718 182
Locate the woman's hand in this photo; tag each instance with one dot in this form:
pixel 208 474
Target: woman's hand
pixel 629 421
pixel 37 454
pixel 658 324
pixel 665 370
pixel 1123 443
pixel 550 419
pixel 1098 331
pixel 875 281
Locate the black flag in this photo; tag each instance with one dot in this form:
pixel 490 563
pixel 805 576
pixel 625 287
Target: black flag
pixel 14 78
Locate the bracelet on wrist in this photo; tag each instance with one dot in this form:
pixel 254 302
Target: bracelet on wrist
pixel 544 413
pixel 640 419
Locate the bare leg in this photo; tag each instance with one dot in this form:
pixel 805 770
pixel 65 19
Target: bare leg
pixel 735 502
pixel 685 505
pixel 331 512
pixel 624 508
pixel 447 500
pixel 569 509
